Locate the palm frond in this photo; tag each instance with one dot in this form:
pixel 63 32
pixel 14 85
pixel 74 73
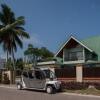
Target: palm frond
pixel 19 27
pixel 21 33
pixel 14 46
pixel 1 26
pixel 18 41
pixel 6 15
pixel 19 21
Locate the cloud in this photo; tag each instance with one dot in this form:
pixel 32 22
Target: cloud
pixel 35 40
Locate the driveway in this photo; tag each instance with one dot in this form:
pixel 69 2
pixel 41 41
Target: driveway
pixel 14 94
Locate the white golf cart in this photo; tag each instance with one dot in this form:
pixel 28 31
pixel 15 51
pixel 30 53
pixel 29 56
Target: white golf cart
pixel 38 79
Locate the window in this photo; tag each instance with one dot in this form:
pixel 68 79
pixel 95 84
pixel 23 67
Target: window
pixel 31 74
pixel 73 56
pixel 80 55
pixel 39 75
pixel 47 73
pixel 25 74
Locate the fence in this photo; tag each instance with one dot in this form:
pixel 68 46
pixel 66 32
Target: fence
pixel 66 74
pixel 91 73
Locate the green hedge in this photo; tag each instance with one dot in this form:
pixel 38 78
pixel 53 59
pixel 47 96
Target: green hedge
pixel 79 86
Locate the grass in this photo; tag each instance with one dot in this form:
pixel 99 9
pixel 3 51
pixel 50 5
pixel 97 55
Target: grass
pixel 91 91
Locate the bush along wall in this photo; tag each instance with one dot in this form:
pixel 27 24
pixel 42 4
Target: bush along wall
pixel 79 86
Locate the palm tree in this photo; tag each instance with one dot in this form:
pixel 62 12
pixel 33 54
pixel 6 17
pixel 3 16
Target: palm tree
pixel 11 31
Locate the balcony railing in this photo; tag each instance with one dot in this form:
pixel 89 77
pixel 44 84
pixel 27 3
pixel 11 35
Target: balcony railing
pixel 73 56
pixel 71 59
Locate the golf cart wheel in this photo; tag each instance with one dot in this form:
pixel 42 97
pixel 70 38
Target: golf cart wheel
pixel 60 89
pixel 19 86
pixel 50 89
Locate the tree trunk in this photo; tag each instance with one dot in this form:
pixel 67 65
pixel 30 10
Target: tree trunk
pixel 13 58
pixel 7 56
pixel 14 68
pixel 7 61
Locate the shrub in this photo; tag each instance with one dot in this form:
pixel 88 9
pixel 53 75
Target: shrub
pixel 79 86
pixel 97 86
pixel 74 85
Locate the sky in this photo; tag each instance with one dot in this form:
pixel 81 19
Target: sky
pixel 51 22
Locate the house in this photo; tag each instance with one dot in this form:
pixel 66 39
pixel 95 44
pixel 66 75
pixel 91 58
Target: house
pixel 80 60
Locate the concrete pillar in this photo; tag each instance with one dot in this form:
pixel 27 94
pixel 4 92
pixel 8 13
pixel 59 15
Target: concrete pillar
pixel 79 73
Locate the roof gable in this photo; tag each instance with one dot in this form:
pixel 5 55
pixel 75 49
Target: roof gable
pixel 61 48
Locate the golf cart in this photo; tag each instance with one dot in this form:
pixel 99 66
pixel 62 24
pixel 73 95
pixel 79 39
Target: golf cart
pixel 38 79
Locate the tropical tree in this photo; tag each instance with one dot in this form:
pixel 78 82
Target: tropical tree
pixel 46 53
pixel 11 31
pixel 19 64
pixel 9 64
pixel 29 53
pixel 37 54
